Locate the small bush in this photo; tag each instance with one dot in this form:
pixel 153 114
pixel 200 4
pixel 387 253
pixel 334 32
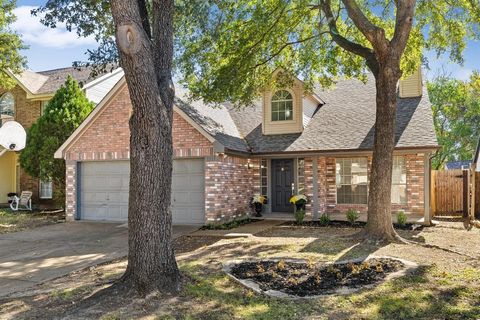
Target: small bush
pixel 401 218
pixel 352 216
pixel 324 219
pixel 299 216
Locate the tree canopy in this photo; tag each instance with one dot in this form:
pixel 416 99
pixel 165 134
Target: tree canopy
pixel 62 115
pixel 227 50
pixel 10 45
pixel 456 111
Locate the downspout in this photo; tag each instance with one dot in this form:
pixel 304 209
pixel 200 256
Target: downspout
pixel 427 214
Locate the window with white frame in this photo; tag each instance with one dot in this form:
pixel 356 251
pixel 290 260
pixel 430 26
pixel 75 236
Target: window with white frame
pixel 282 106
pixel 46 189
pixel 43 106
pixel 351 180
pixel 263 177
pixel 399 180
pixel 301 176
pixel 7 104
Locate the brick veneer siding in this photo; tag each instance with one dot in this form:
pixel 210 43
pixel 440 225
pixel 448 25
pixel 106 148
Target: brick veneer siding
pixel 71 190
pixel 327 189
pixel 229 186
pixel 26 113
pixel 415 185
pixel 108 137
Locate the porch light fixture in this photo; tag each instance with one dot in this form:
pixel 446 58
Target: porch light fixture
pixel 249 165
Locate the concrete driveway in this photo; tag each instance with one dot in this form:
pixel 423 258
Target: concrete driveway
pixel 34 256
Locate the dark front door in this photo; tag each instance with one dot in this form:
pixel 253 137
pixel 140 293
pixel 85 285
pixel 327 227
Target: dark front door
pixel 282 179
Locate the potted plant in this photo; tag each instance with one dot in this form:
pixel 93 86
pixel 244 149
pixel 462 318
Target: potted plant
pixel 299 201
pixel 257 203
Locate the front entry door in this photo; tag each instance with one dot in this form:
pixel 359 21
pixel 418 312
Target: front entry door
pixel 282 180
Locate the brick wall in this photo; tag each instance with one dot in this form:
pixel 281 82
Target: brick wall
pixel 326 194
pixel 229 186
pixel 108 136
pixel 70 190
pixel 415 185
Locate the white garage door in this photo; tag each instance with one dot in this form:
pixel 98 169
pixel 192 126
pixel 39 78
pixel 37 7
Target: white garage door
pixel 104 191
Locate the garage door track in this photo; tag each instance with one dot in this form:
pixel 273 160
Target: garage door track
pixel 34 256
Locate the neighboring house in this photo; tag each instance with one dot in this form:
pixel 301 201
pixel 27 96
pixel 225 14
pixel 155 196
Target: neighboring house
pixel 476 156
pixel 454 165
pixel 24 104
pixel 290 142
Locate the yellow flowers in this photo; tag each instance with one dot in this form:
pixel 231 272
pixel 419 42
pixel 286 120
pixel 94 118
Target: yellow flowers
pixel 297 198
pixel 259 199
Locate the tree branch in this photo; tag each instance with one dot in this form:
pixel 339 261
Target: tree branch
pixel 283 47
pixel 403 26
pixel 343 42
pixel 374 34
pixel 142 8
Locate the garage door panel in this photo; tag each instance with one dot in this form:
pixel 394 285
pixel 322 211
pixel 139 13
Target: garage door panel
pixel 104 191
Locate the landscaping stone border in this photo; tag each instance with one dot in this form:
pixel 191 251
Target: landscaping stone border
pixel 409 267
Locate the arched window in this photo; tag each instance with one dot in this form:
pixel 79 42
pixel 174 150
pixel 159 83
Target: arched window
pixel 7 104
pixel 282 106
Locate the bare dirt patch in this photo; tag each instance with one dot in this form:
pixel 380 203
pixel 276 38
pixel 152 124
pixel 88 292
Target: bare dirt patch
pixel 11 221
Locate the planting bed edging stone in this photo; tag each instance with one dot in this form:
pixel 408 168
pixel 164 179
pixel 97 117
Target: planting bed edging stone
pixel 409 267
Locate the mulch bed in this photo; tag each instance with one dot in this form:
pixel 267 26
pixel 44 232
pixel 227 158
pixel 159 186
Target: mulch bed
pixel 302 279
pixel 346 224
pixel 230 225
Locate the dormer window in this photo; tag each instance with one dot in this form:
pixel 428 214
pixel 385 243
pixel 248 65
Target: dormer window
pixel 282 106
pixel 7 104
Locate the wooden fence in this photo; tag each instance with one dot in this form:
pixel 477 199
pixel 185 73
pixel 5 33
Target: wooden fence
pixel 447 193
pixel 476 195
pixel 455 193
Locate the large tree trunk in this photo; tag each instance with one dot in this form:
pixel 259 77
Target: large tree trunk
pixel 147 65
pixel 379 223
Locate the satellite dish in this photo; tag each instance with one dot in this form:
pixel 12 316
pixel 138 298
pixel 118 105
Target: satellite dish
pixel 12 136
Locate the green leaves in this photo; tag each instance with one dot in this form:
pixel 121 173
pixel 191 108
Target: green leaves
pixel 228 50
pixel 456 111
pixel 10 45
pixel 63 114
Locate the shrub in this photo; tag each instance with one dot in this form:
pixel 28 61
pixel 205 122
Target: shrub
pixel 352 216
pixel 401 218
pixel 324 219
pixel 299 216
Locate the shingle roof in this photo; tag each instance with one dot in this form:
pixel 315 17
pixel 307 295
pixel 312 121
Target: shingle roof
pixel 49 81
pixel 345 122
pixel 57 77
pixel 216 120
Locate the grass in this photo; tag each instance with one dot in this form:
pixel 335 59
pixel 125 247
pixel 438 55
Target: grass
pixel 11 221
pixel 445 286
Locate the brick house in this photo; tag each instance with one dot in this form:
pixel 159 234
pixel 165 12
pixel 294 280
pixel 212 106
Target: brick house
pixel 290 142
pixel 25 103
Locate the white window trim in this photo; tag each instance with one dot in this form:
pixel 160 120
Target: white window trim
pixel 401 184
pixel 336 186
pixel 41 196
pixel 293 107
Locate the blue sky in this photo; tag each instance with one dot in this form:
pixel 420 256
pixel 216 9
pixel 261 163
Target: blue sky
pixel 57 48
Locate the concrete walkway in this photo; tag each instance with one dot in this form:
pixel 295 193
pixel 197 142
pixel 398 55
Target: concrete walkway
pixel 34 256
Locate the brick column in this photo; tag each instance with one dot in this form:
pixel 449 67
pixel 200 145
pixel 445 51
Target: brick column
pixel 70 190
